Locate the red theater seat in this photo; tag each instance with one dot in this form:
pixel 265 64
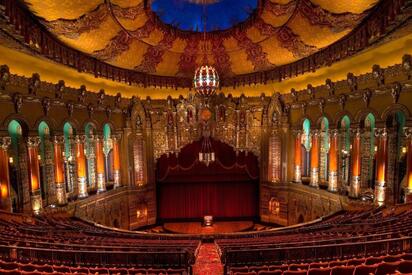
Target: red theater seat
pixel 298 267
pixel 319 271
pixel 365 269
pixel 342 270
pixel 295 272
pixel 405 266
pixel 272 272
pixel 387 268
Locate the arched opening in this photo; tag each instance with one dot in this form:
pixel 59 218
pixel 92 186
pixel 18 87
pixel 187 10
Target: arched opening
pixel 46 162
pixel 397 163
pixel 17 163
pixel 69 158
pixel 344 151
pixel 306 145
pixel 90 132
pixel 108 153
pixel 368 150
pixel 188 189
pixel 324 150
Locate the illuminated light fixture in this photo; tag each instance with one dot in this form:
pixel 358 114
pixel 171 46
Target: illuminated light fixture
pixel 206 78
pixel 206 81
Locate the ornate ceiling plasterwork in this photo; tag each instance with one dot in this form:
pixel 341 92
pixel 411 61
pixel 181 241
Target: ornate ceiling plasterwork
pixel 123 40
pixel 129 35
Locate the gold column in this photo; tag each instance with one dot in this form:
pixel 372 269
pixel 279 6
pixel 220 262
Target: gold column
pixel 356 165
pixel 298 157
pixel 408 188
pixel 116 161
pixel 34 173
pixel 381 164
pixel 314 160
pixel 81 167
pixel 101 182
pixel 59 170
pixel 333 162
pixel 5 202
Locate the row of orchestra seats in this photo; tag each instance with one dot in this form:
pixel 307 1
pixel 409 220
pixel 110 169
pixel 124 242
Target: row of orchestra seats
pixel 347 235
pixel 14 268
pixel 389 264
pixel 60 240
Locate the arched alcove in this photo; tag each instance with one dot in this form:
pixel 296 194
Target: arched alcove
pixel 306 145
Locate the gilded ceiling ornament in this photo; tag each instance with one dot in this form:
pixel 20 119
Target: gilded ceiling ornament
pixel 18 102
pixel 59 89
pixel 81 98
pixel 378 75
pixel 352 81
pixel 330 86
pixel 34 84
pixel 4 76
pixel 336 22
pixel 396 92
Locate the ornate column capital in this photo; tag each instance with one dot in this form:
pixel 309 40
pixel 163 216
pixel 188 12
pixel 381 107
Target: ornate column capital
pixel 334 132
pixel 79 138
pixel 407 131
pixel 58 139
pixel 381 132
pixel 33 141
pixel 5 142
pixel 355 132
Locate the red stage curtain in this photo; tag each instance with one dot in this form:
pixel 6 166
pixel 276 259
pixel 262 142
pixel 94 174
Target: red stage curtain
pixel 187 189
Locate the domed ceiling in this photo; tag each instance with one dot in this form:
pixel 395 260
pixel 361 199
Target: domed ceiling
pixel 164 37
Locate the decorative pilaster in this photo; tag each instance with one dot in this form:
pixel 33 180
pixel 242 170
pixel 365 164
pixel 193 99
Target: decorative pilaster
pixel 333 162
pixel 59 170
pixel 354 190
pixel 34 174
pixel 101 181
pixel 314 160
pixel 408 188
pixel 5 202
pixel 381 165
pixel 298 157
pixel 81 167
pixel 116 161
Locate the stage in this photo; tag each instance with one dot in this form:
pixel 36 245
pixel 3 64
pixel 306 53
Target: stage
pixel 216 228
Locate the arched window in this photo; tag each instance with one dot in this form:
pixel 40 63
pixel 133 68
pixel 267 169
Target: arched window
pixel 90 132
pixel 344 150
pixel 274 207
pixel 368 150
pixel 397 163
pixel 108 152
pixel 16 151
pixel 69 159
pixel 324 149
pixel 306 145
pixel 46 162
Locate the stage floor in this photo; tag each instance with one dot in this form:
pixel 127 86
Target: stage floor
pixel 217 227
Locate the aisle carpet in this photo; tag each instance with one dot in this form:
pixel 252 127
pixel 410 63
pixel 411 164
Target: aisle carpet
pixel 208 261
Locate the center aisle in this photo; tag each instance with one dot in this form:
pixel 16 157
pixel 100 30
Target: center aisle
pixel 208 261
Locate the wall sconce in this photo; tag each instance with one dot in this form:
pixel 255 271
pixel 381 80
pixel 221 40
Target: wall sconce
pixel 403 150
pixel 11 160
pixel 38 157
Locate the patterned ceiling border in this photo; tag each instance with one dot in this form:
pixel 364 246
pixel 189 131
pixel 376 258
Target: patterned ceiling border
pixel 385 17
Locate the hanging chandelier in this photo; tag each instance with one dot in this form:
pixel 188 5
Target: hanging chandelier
pixel 206 78
pixel 206 81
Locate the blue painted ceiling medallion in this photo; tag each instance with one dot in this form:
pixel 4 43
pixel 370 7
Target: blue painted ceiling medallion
pixel 189 15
